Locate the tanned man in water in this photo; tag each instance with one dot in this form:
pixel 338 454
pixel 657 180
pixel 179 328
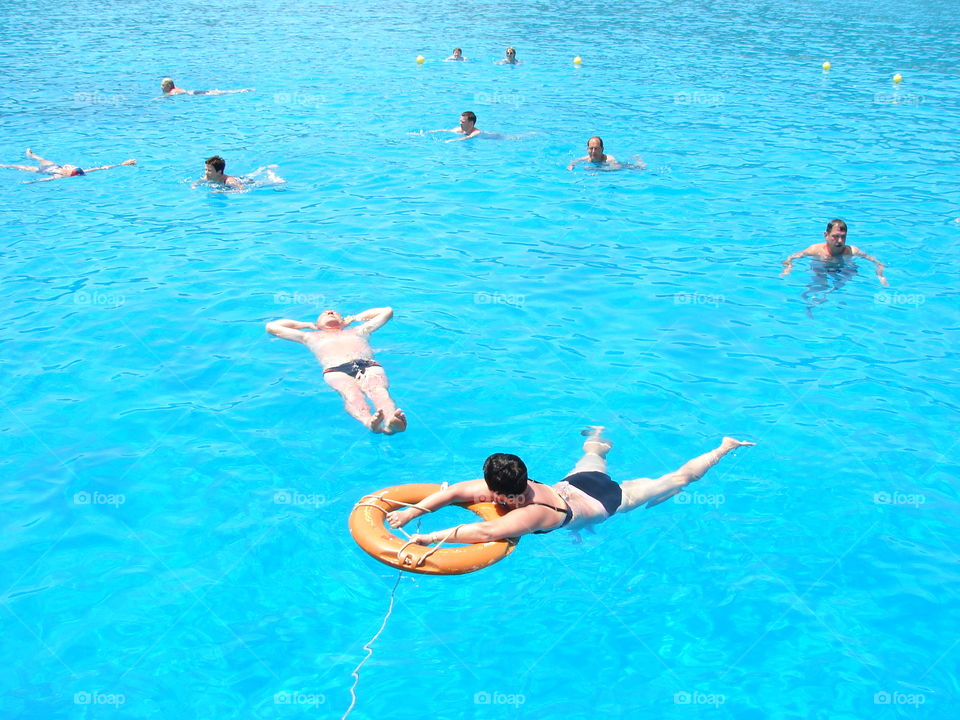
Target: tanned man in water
pixel 348 364
pixel 833 250
pixel 213 172
pixel 596 155
pixel 586 496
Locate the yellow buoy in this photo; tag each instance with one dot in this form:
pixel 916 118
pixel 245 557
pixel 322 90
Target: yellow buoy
pixel 898 77
pixel 420 59
pixel 577 60
pixel 826 66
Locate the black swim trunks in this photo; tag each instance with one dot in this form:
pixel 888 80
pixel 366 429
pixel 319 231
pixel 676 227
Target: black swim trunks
pixel 353 368
pixel 600 487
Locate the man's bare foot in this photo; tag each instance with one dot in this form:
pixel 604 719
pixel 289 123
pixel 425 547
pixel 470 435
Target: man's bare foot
pixel 32 155
pixel 376 422
pixel 730 443
pixel 397 423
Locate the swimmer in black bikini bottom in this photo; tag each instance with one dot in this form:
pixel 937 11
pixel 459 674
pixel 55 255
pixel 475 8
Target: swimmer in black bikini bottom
pixel 353 368
pixel 600 487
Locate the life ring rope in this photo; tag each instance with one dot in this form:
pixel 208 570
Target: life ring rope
pixel 405 560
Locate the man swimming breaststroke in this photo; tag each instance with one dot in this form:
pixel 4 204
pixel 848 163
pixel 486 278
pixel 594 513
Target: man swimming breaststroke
pixel 214 173
pixel 586 496
pixel 597 159
pixel 55 171
pixel 467 128
pixel 457 56
pixel 169 88
pixel 348 364
pixel 833 250
pixel 596 155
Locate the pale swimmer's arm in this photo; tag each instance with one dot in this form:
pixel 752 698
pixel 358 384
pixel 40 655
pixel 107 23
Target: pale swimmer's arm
pixel 578 160
pixel 788 263
pixel 290 329
pixel 857 252
pixel 372 319
pixel 108 167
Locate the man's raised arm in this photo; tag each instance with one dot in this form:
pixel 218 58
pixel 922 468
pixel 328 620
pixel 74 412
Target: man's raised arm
pixel 289 329
pixel 372 319
pixel 110 167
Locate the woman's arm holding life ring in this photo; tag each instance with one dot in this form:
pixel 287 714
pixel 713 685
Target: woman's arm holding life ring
pixel 514 524
pixel 467 491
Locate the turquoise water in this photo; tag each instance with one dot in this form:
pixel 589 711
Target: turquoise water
pixel 152 429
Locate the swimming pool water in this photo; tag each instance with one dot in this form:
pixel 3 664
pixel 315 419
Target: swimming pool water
pixel 176 484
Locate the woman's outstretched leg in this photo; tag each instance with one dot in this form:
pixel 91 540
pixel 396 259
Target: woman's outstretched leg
pixel 645 491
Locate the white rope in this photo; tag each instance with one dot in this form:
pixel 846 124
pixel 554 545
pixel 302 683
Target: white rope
pixel 369 649
pixel 402 561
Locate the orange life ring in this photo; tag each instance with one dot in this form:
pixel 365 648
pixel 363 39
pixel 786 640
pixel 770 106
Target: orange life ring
pixel 368 529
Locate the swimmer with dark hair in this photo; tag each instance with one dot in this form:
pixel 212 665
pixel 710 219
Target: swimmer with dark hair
pixel 457 55
pixel 467 128
pixel 348 364
pixel 169 88
pixel 55 171
pixel 586 496
pixel 213 174
pixel 596 156
pixel 510 59
pixel 833 250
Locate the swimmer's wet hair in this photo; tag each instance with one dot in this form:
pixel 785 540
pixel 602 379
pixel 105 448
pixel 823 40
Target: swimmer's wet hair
pixel 505 474
pixel 838 223
pixel 167 81
pixel 471 116
pixel 218 163
pixel 596 137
